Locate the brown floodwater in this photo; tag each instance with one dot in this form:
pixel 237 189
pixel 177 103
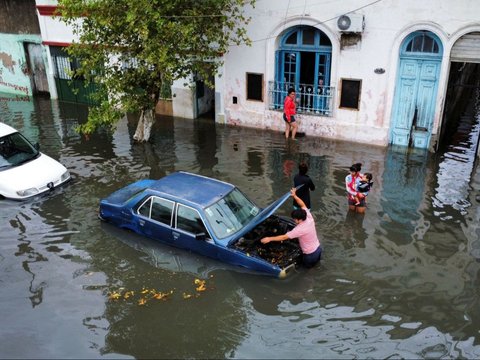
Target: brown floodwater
pixel 401 281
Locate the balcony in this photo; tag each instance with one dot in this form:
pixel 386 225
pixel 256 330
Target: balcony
pixel 311 100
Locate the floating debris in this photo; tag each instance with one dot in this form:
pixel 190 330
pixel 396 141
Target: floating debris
pixel 146 295
pixel 201 285
pixel 280 253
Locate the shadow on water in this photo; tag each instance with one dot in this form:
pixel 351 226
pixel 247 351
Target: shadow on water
pixel 401 280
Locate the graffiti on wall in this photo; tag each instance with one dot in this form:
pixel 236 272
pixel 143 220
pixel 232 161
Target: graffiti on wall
pixel 8 63
pixel 15 98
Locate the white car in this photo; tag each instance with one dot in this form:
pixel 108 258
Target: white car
pixel 25 171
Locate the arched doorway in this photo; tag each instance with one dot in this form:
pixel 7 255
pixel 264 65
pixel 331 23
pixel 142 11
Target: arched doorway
pixel 303 62
pixel 414 103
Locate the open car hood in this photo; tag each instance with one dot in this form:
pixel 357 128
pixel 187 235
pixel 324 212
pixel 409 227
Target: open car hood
pixel 262 216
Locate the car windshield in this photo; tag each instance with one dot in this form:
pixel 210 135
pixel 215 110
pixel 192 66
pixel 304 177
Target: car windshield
pixel 15 150
pixel 231 213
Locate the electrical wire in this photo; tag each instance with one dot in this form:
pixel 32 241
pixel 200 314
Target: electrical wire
pixel 320 22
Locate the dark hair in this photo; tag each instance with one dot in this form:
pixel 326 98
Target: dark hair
pixel 299 214
pixel 368 176
pixel 356 167
pixel 290 90
pixel 302 168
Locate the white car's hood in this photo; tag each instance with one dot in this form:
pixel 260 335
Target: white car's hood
pixel 33 174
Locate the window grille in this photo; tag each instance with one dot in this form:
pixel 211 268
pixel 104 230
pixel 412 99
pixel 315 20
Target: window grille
pixel 311 100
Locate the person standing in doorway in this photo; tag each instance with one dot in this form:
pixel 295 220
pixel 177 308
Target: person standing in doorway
pixel 289 112
pixel 303 179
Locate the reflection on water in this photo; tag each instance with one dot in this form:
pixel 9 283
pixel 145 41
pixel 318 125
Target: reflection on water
pixel 400 281
pixel 457 164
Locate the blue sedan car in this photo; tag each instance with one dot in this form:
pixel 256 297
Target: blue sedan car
pixel 206 216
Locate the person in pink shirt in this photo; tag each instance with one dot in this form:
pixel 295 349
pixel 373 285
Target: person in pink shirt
pixel 304 230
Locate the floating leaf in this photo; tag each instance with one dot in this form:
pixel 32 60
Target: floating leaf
pixel 128 294
pixel 142 301
pixel 201 285
pixel 162 296
pixel 114 295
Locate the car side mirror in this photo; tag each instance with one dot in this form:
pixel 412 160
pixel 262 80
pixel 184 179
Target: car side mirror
pixel 201 236
pixel 36 146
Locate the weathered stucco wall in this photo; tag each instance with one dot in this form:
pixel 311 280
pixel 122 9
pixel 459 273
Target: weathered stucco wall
pixel 14 77
pixel 18 17
pixel 387 23
pixel 18 25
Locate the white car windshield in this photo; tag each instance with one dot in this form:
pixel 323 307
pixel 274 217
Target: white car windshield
pixel 15 150
pixel 231 213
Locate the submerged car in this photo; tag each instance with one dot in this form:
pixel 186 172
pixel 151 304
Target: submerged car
pixel 206 216
pixel 24 170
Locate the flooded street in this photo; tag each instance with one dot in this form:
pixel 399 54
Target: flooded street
pixel 402 281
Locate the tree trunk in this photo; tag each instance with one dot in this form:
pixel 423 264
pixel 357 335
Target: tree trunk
pixel 144 127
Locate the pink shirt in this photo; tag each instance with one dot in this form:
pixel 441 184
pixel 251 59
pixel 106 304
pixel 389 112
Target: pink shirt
pixel 306 234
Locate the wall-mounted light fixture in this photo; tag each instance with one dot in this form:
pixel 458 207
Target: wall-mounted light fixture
pixel 379 71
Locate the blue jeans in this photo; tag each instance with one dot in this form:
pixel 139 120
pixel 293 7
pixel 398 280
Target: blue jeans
pixel 309 260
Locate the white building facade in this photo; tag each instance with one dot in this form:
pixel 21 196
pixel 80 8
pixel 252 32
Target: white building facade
pixel 364 71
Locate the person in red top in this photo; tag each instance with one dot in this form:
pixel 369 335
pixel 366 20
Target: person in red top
pixel 289 112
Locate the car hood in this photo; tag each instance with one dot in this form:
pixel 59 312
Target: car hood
pixel 35 173
pixel 261 217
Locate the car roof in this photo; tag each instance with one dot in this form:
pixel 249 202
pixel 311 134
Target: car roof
pixel 6 130
pixel 196 189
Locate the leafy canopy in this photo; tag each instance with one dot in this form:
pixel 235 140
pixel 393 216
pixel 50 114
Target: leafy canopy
pixel 129 48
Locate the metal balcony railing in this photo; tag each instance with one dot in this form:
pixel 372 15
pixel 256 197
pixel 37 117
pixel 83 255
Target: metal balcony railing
pixel 311 100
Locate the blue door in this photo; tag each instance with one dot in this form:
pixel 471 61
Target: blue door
pixel 414 104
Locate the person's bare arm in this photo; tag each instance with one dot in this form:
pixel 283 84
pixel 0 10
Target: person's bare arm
pixel 268 239
pixel 299 201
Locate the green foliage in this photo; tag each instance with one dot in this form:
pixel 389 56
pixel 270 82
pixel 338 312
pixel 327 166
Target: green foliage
pixel 131 48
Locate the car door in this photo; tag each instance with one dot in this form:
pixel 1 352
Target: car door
pixel 155 218
pixel 191 233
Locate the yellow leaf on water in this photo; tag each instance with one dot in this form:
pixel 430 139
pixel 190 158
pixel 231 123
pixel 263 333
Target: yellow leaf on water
pixel 186 296
pixel 142 301
pixel 114 295
pixel 161 296
pixel 201 285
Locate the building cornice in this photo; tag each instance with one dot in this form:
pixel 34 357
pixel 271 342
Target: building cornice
pixel 56 43
pixel 47 10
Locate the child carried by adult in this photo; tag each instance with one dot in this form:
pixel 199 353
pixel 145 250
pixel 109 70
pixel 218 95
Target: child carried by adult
pixel 363 185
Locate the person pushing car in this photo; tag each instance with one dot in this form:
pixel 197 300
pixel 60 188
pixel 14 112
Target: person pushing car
pixel 304 230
